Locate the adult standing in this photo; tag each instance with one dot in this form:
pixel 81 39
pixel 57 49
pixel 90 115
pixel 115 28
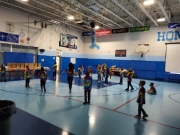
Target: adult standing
pixel 70 75
pixel 3 73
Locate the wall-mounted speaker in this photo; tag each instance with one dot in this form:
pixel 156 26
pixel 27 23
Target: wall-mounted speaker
pixel 92 24
pixel 42 50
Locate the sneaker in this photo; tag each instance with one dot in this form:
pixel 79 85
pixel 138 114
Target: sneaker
pixel 144 116
pixel 136 116
pixel 69 91
pixel 88 102
pixel 127 89
pixel 84 103
pixel 132 88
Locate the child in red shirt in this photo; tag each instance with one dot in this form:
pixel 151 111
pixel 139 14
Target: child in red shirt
pixel 141 100
pixel 152 89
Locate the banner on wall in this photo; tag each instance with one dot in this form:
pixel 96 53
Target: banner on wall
pixel 174 25
pixel 117 31
pixel 103 32
pixel 68 41
pixel 139 29
pixel 7 37
pixel 120 53
pixel 85 34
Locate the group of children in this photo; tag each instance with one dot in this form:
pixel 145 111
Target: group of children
pixel 106 72
pixel 42 75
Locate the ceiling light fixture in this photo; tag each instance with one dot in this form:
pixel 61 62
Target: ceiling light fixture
pixel 148 2
pixel 97 27
pixel 161 19
pixel 71 17
pixel 24 0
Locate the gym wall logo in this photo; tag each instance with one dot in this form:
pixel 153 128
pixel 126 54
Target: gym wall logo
pixel 68 41
pixel 169 36
pixel 93 43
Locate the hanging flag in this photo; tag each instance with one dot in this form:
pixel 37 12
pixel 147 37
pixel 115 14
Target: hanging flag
pixel 85 34
pixel 117 31
pixel 139 29
pixel 103 32
pixel 174 25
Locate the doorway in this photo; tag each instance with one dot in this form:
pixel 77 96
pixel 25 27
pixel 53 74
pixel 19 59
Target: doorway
pixel 58 60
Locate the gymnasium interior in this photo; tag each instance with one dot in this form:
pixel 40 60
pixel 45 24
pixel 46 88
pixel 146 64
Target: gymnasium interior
pixel 138 35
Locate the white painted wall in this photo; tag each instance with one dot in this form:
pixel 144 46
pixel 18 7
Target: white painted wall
pixel 129 41
pixel 38 37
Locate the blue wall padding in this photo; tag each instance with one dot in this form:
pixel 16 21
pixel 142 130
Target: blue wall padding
pixel 174 76
pixel 64 63
pixel 143 69
pixel 66 60
pixel 150 75
pixel 16 57
pixel 160 67
pixel 160 75
pixel 166 76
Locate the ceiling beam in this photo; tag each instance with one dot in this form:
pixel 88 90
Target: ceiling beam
pixel 13 5
pixel 81 14
pixel 75 1
pixel 112 13
pixel 163 10
pixel 146 13
pixel 58 11
pixel 123 8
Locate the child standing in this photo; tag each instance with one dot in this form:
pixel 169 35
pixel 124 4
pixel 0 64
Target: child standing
pixel 82 69
pixel 103 71
pixel 121 76
pixel 27 76
pixel 54 70
pixel 141 100
pixel 43 78
pixel 129 79
pixel 107 75
pixel 79 72
pixel 87 87
pixel 3 73
pixel 99 73
pixel 90 70
pixel 152 89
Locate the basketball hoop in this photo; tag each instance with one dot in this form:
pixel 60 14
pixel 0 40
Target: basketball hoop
pixel 141 53
pixel 142 49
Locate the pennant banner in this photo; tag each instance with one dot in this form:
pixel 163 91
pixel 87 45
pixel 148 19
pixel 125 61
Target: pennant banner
pixel 174 25
pixel 7 37
pixel 139 29
pixel 85 34
pixel 103 32
pixel 123 30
